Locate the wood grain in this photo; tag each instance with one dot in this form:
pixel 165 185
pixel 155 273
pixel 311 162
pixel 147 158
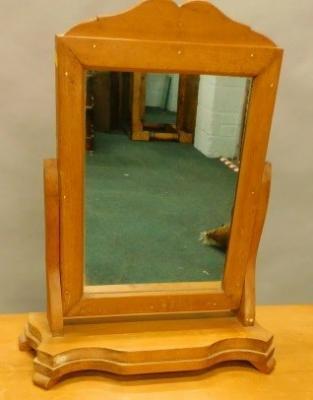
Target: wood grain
pixel 131 348
pixel 71 163
pixel 52 225
pixel 246 312
pixel 194 21
pixel 198 39
pixel 256 137
pixel 173 57
pixel 291 379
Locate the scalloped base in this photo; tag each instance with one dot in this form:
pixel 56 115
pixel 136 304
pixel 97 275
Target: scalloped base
pixel 144 347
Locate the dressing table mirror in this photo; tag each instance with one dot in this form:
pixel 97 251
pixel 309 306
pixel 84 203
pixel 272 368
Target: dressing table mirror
pixel 155 203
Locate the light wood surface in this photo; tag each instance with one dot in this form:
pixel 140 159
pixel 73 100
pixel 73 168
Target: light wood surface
pixel 247 307
pixel 52 225
pixel 194 21
pixel 192 38
pixel 71 166
pixel 144 347
pixel 291 379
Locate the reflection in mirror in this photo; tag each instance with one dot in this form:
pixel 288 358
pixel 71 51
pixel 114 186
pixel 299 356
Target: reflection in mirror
pixel 161 93
pixel 162 162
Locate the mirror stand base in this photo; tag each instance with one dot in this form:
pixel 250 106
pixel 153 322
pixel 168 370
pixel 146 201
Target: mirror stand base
pixel 144 347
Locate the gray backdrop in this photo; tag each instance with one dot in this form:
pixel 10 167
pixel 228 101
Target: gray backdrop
pixel 27 127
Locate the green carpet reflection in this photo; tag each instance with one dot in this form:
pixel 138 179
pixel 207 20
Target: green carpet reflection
pixel 146 204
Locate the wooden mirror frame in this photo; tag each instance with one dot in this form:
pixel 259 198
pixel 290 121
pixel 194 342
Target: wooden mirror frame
pixel 195 38
pixel 205 42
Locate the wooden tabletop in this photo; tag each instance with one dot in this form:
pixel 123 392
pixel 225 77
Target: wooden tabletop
pixel 292 378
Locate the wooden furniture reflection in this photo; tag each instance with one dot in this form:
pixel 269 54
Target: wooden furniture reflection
pixel 90 103
pixel 184 128
pixel 108 103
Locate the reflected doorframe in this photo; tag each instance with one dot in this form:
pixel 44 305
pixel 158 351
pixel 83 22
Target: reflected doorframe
pixel 187 97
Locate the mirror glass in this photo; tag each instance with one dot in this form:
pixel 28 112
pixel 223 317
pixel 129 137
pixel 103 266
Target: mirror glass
pixel 161 169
